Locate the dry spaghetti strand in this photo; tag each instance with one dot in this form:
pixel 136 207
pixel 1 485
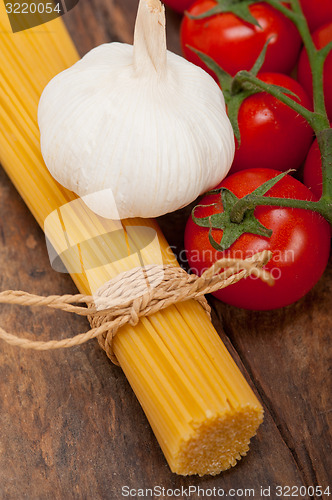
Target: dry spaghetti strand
pixel 199 405
pixel 112 307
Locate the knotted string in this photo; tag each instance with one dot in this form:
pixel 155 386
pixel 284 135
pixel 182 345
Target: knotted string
pixel 133 294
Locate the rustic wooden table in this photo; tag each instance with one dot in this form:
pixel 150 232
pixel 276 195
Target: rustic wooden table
pixel 70 425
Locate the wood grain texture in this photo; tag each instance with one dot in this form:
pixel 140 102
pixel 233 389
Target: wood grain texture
pixel 70 425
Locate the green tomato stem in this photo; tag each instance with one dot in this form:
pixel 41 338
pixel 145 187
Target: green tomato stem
pixel 316 59
pixel 247 83
pixel 324 139
pixel 283 9
pixel 318 119
pixel 251 201
pixel 251 82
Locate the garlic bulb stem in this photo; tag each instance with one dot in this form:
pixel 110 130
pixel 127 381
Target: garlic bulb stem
pixel 150 38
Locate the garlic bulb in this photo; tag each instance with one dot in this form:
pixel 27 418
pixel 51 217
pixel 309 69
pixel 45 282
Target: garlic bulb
pixel 136 131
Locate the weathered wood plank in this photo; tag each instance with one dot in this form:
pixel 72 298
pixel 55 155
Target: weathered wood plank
pixel 288 353
pixel 70 425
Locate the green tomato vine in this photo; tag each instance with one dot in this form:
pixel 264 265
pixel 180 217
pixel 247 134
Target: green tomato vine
pixel 246 83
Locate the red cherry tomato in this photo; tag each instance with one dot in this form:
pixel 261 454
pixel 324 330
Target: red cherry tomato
pixel 300 243
pixel 321 37
pixel 272 134
pixel 235 44
pixel 317 12
pixel 312 171
pixel 179 5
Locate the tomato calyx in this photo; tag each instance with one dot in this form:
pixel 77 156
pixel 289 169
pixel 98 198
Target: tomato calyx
pixel 231 230
pixel 237 215
pixel 236 89
pixel 229 220
pixel 239 8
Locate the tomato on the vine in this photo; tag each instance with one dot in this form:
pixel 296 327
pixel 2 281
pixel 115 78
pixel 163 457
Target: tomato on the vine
pixel 179 5
pixel 321 38
pixel 272 134
pixel 235 44
pixel 300 243
pixel 317 12
pixel 312 171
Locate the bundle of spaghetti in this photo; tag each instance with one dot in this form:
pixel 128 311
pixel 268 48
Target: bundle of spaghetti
pixel 200 407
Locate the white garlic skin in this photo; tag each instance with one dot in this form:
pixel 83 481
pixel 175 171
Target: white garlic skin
pixel 153 142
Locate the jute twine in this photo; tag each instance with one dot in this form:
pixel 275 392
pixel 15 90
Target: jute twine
pixel 133 294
